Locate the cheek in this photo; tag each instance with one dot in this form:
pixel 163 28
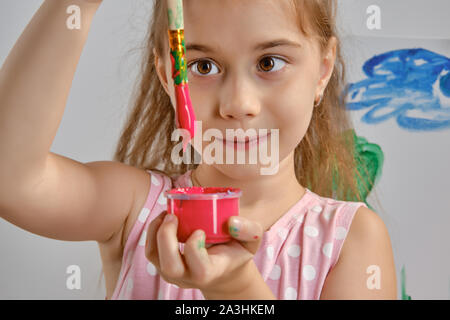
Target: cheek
pixel 293 118
pixel 293 108
pixel 201 103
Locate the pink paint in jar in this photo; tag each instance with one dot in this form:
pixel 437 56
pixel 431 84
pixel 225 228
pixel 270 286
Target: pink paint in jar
pixel 206 208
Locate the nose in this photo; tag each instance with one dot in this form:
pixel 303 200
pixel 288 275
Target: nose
pixel 239 99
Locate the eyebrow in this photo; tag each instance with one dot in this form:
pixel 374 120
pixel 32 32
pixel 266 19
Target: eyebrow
pixel 260 46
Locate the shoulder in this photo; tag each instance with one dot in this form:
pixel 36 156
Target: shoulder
pixel 367 232
pixel 365 269
pixel 148 185
pixel 366 226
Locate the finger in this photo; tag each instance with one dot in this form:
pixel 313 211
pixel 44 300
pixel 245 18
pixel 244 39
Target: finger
pixel 228 257
pixel 151 248
pixel 248 232
pixel 170 259
pixel 196 257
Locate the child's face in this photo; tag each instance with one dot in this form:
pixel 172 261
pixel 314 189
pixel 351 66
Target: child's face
pixel 237 86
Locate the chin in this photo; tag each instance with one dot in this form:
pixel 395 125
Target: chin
pixel 251 171
pixel 242 172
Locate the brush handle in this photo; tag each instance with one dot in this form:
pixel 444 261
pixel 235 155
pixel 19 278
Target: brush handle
pixel 175 12
pixel 185 117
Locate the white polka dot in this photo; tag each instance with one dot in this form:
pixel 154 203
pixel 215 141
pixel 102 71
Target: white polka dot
pixel 144 214
pixel 151 269
pixel 160 295
pixel 294 251
pixel 327 249
pixel 290 294
pixel 130 284
pixel 283 233
pixel 299 217
pixel 143 238
pixel 162 200
pixel 130 256
pixel 275 273
pixel 317 209
pixel 311 231
pixel 309 273
pixel 340 233
pixel 327 215
pixel 155 181
pixel 269 252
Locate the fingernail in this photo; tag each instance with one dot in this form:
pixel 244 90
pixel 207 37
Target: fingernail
pixel 233 231
pixel 201 241
pixel 235 227
pixel 237 223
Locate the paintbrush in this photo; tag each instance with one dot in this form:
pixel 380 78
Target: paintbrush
pixel 185 117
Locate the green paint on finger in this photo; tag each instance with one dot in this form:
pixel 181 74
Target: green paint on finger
pixel 201 243
pixel 233 231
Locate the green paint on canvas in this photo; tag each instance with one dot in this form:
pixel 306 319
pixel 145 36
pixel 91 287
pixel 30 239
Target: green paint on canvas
pixel 404 295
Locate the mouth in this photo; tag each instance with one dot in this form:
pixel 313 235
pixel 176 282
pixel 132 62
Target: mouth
pixel 245 143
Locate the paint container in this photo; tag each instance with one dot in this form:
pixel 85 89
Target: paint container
pixel 206 208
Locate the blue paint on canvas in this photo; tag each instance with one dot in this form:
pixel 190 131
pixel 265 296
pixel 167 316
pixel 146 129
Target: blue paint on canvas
pixel 410 85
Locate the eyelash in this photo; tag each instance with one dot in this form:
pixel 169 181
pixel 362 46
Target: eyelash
pixel 204 59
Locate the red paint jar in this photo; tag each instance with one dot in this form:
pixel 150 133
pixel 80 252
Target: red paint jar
pixel 206 208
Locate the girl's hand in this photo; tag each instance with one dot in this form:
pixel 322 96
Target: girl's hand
pixel 220 268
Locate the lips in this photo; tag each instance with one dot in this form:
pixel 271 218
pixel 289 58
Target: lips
pixel 247 139
pixel 248 142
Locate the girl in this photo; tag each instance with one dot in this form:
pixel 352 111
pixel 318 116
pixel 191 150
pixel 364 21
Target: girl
pixel 252 64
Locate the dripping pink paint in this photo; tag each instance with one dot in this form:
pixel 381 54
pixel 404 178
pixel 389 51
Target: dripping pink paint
pixel 185 112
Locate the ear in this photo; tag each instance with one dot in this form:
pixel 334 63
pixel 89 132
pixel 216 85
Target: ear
pixel 327 65
pixel 161 71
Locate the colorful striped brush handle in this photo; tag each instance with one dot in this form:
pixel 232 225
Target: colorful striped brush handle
pixel 185 117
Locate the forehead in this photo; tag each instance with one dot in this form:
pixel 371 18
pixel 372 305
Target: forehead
pixel 223 23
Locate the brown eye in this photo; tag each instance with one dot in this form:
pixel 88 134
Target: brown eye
pixel 204 67
pixel 269 63
pixel 266 64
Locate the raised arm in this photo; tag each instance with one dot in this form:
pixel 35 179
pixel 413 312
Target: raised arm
pixel 40 191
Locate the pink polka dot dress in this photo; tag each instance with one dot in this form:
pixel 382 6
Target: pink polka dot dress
pixel 294 258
